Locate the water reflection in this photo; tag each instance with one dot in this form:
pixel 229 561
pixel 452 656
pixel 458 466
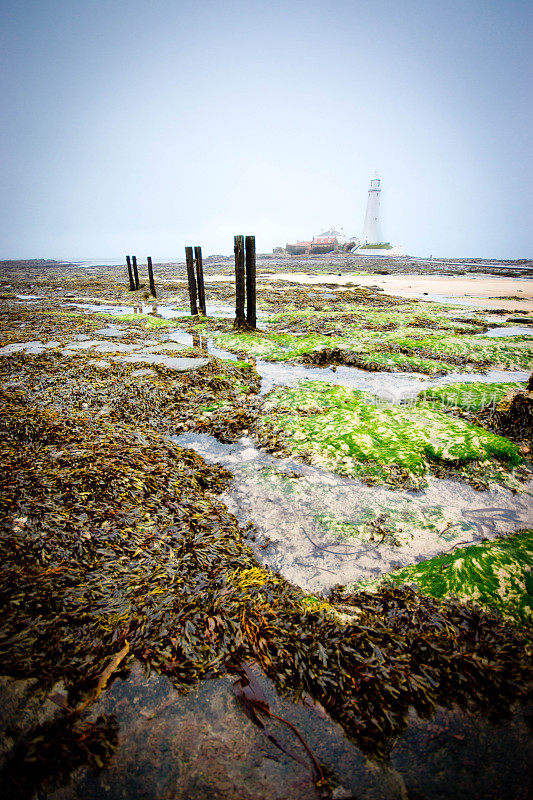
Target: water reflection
pixel 319 529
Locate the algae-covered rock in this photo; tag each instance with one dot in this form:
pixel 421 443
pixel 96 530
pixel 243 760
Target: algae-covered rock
pixel 495 575
pixel 514 414
pixel 471 396
pixel 344 431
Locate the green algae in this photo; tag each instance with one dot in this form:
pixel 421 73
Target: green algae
pixel 383 334
pixel 468 396
pixel 514 352
pixel 383 346
pixel 360 350
pixel 495 574
pixel 343 431
pixel 382 524
pixel 372 529
pixel 147 320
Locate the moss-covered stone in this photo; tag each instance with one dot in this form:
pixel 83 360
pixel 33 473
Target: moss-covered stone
pixel 468 396
pixel 495 575
pixel 344 431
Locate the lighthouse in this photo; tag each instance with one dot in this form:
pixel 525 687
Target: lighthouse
pixel 371 231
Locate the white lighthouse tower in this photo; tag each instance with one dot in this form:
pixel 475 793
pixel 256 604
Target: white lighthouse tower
pixel 371 228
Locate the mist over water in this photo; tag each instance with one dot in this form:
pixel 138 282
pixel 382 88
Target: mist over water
pixel 147 127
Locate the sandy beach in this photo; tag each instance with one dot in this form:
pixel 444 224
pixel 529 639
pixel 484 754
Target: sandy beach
pixel 512 294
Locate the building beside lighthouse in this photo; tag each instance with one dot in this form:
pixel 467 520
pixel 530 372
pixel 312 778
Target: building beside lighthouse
pixel 334 241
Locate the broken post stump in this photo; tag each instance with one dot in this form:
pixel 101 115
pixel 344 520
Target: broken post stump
pixel 130 274
pixel 192 282
pixel 240 321
pixel 151 277
pixel 251 314
pixel 135 272
pixel 200 279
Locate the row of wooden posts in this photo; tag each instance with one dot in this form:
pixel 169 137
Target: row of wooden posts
pixel 133 274
pixel 245 280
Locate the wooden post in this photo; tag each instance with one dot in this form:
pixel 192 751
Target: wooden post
pixel 200 279
pixel 135 273
pixel 251 314
pixel 151 277
pixel 130 274
pixel 240 321
pixel 192 282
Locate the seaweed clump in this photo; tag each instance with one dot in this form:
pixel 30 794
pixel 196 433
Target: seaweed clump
pixel 513 416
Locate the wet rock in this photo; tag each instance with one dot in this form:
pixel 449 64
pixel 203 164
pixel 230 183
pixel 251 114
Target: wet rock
pixel 175 364
pixel 514 414
pixel 18 347
pixel 143 373
pixel 115 347
pixel 111 332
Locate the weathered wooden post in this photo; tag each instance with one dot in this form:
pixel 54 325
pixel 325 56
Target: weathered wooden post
pixel 200 279
pixel 130 274
pixel 192 281
pixel 240 321
pixel 135 272
pixel 251 314
pixel 151 277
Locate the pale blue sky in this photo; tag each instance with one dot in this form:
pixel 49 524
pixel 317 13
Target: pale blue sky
pixel 147 126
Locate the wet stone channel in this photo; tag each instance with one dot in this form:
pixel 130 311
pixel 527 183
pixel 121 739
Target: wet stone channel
pixel 319 529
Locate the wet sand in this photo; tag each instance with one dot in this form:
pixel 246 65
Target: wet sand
pixel 513 294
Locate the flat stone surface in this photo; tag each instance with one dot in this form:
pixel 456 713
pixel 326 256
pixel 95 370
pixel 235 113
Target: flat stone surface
pixel 168 346
pixel 202 746
pixel 18 347
pixel 143 373
pixel 176 364
pixel 115 347
pixel 154 348
pixel 112 332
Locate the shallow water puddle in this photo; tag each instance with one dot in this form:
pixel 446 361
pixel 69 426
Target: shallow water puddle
pixel 511 330
pixel 393 387
pixel 201 341
pixel 319 529
pixel 221 310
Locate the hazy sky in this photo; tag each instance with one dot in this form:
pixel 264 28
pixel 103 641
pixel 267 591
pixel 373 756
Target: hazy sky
pixel 135 126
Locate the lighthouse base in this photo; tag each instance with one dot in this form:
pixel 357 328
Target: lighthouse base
pixel 378 249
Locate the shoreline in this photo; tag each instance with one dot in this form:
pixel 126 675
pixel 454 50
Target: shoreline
pixel 483 291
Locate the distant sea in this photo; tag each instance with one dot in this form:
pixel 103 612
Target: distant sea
pixel 101 262
pixel 121 261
